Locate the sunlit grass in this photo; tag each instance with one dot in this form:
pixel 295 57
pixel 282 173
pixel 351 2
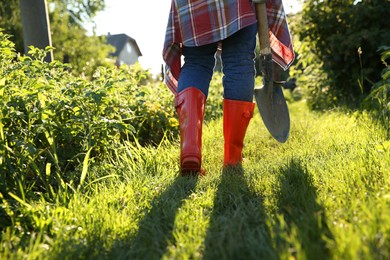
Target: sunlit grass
pixel 325 193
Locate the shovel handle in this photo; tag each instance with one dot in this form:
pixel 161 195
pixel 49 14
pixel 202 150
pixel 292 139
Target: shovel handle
pixel 262 24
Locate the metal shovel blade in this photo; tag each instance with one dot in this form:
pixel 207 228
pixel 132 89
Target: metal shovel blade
pixel 274 111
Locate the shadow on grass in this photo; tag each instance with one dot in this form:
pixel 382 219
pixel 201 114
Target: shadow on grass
pixel 156 227
pixel 304 216
pixel 237 227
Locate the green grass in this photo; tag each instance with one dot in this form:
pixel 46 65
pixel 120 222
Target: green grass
pixel 324 194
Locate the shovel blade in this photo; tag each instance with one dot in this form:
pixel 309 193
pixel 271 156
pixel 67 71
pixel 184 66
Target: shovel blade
pixel 274 112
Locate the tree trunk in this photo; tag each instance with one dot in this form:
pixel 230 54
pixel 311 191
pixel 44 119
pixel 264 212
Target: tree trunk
pixel 36 26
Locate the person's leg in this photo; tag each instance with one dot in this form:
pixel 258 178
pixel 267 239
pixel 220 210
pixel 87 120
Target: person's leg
pixel 238 81
pixel 238 66
pixel 236 117
pixel 198 67
pixel 190 104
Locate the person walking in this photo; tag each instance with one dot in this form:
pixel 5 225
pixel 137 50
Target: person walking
pixel 196 30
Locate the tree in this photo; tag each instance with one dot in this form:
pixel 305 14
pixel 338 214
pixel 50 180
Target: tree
pixel 70 39
pixel 36 27
pixel 81 11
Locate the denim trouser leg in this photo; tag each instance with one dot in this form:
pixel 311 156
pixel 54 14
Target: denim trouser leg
pixel 238 53
pixel 238 65
pixel 198 67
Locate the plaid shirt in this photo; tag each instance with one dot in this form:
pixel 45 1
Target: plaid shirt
pixel 201 22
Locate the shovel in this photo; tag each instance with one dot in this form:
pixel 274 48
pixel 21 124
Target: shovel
pixel 269 97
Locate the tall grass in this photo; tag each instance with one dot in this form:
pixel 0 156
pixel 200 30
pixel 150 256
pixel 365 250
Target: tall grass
pixel 324 194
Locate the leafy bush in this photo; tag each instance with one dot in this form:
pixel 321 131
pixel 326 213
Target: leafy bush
pixel 51 120
pixel 338 57
pixel 380 94
pixel 153 107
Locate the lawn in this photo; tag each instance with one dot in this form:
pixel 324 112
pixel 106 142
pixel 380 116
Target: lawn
pixel 324 194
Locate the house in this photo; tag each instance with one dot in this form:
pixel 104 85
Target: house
pixel 126 49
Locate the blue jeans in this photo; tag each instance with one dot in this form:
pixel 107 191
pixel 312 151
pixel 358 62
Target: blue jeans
pixel 238 53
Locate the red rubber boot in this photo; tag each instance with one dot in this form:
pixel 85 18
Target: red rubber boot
pixel 236 117
pixel 190 104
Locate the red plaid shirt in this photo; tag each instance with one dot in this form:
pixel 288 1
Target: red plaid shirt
pixel 200 22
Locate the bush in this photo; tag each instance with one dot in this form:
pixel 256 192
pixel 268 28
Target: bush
pixel 380 95
pixel 338 57
pixel 50 120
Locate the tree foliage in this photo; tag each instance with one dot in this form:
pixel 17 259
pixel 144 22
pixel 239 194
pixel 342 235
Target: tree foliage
pixel 11 22
pixel 80 11
pixel 338 54
pixel 72 44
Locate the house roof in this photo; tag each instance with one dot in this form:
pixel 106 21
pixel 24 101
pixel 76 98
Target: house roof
pixel 119 41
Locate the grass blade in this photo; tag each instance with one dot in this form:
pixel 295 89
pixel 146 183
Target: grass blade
pixel 85 168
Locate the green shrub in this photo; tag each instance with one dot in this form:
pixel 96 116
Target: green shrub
pixel 154 112
pixel 380 94
pixel 50 119
pixel 338 58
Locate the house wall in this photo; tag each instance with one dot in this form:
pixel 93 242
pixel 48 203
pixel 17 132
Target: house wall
pixel 128 55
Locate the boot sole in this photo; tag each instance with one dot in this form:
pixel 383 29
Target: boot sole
pixel 190 166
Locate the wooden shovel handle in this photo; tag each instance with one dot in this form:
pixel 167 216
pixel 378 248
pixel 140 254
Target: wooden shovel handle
pixel 262 23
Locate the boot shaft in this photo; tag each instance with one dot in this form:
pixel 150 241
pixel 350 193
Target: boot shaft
pixel 236 117
pixel 190 105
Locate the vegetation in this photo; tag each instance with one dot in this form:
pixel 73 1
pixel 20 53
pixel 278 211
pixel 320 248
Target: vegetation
pixel 72 44
pixel 89 165
pixel 50 119
pixel 324 194
pixel 379 98
pixel 339 49
pixel 11 22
